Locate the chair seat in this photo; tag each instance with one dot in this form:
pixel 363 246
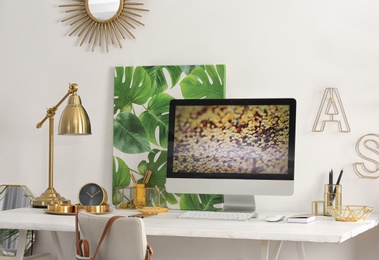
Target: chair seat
pixel 125 240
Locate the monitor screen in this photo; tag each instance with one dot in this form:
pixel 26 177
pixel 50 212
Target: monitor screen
pixel 224 145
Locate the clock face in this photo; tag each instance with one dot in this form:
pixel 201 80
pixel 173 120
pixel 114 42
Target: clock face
pixel 92 194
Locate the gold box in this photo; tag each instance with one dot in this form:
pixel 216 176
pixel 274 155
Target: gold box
pixel 140 196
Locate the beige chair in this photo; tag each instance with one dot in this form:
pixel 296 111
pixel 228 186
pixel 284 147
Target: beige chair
pixel 126 238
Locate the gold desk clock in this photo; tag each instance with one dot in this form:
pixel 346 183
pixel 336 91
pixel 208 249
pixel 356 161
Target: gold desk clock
pixel 92 198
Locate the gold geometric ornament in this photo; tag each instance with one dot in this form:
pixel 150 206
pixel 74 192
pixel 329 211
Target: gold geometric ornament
pixel 103 22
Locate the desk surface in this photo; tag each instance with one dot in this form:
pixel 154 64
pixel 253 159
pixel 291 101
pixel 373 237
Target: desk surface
pixel 324 229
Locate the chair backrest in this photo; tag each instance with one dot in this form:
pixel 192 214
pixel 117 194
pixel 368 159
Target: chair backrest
pixel 125 240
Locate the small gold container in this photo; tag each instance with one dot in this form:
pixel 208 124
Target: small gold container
pixel 61 209
pixel 98 209
pixel 137 197
pixel 332 197
pixel 318 207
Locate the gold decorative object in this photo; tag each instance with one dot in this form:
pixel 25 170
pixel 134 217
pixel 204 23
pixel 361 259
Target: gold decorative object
pixel 70 209
pixel 74 121
pixel 98 209
pixel 332 197
pixel 19 190
pixel 61 209
pixel 103 21
pixel 92 194
pixel 351 213
pixel 141 197
pixel 370 145
pixel 330 109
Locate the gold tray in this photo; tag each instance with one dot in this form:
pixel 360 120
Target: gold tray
pixel 153 209
pixel 69 209
pixel 350 213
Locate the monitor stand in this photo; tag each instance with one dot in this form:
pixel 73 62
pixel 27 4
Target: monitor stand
pixel 239 203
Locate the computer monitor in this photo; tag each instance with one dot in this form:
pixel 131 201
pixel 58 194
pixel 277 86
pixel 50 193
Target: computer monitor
pixel 236 147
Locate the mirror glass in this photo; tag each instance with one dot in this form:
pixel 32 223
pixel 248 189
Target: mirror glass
pixel 103 9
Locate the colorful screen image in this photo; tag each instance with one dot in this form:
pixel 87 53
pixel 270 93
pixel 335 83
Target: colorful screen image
pixel 243 139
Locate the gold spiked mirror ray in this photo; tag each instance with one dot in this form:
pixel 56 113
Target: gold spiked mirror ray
pixel 103 22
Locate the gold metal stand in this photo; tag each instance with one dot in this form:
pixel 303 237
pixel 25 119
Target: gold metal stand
pixel 74 120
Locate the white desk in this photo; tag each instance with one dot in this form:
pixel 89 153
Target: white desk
pixel 323 230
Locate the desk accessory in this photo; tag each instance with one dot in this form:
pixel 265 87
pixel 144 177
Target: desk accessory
pixel 143 215
pixel 301 218
pixel 92 194
pixel 337 183
pixel 74 121
pixel 350 213
pixel 332 193
pixel 70 209
pixel 332 197
pixel 318 208
pixel 274 218
pixel 145 199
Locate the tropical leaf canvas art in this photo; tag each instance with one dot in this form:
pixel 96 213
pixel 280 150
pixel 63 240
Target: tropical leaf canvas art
pixel 140 127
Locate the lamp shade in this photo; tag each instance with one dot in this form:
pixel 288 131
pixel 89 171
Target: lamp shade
pixel 74 119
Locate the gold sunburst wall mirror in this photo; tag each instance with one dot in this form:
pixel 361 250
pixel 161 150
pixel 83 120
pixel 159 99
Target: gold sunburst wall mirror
pixel 103 22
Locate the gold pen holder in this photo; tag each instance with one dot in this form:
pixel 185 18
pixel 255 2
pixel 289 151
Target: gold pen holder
pixel 332 198
pixel 140 196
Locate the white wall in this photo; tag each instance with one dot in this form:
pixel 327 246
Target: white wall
pixel 272 48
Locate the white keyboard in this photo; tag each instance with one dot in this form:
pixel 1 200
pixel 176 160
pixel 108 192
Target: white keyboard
pixel 218 215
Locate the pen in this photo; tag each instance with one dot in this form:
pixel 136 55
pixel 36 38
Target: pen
pixel 337 183
pixel 133 177
pixel 331 177
pixel 331 187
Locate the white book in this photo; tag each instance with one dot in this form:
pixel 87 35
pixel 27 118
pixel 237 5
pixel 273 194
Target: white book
pixel 301 218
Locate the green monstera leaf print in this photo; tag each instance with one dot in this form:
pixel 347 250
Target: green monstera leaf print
pixel 204 83
pixel 120 177
pixel 156 117
pixel 159 82
pixel 130 87
pixel 200 202
pixel 129 135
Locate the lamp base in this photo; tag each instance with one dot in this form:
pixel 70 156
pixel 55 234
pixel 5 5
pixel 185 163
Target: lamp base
pixel 50 196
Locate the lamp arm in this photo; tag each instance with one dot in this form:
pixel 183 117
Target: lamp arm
pixel 51 111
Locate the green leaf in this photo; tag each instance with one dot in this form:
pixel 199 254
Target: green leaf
pixel 171 199
pixel 129 135
pixel 130 87
pixel 121 178
pixel 200 202
pixel 188 68
pixel 204 83
pixel 158 79
pixel 157 164
pixel 156 116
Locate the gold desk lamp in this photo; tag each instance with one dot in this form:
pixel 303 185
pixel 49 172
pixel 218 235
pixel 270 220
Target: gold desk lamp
pixel 74 121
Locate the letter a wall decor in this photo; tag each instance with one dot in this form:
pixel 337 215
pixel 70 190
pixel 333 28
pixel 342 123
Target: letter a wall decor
pixel 331 110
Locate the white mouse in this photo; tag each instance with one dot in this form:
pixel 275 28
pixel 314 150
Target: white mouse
pixel 274 218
